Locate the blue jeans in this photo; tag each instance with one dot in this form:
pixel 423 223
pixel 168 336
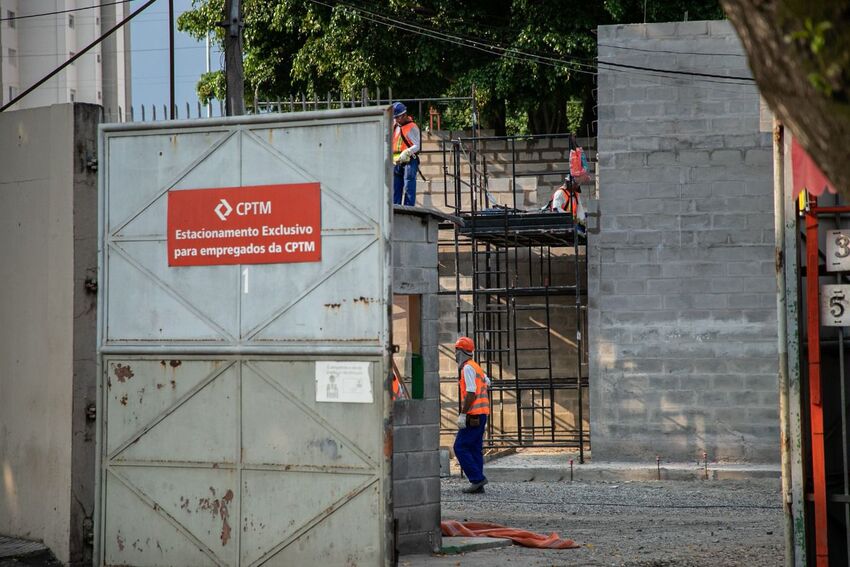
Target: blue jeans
pixel 469 450
pixel 404 183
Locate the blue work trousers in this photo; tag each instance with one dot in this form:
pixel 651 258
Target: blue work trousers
pixel 404 183
pixel 469 450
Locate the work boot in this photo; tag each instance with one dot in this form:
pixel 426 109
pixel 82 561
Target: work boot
pixel 476 487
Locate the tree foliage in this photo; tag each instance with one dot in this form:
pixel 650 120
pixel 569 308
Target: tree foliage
pixel 319 47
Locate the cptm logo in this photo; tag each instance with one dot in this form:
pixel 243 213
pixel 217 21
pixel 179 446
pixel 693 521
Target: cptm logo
pixel 223 209
pixel 243 209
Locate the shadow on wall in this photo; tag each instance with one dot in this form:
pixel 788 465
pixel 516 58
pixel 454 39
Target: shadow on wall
pixel 666 389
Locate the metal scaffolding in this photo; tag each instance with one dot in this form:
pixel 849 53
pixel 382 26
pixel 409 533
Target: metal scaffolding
pixel 516 272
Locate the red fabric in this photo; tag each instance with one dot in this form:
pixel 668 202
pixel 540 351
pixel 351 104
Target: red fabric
pixel 577 169
pixel 806 174
pixel 453 528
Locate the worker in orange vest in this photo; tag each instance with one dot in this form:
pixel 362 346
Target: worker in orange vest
pixel 406 145
pixel 399 391
pixel 565 199
pixel 473 385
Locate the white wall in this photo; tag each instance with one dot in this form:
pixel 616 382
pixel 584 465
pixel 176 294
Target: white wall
pixel 36 312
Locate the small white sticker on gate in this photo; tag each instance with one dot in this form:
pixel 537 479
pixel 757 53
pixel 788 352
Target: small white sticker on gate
pixel 343 381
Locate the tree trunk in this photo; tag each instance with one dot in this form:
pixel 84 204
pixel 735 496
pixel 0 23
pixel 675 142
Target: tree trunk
pixel 550 116
pixel 781 67
pixel 494 115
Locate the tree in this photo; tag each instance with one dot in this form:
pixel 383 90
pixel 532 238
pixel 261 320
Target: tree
pixel 799 52
pixel 531 62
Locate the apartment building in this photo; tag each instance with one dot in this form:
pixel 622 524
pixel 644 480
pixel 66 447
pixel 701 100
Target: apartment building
pixel 36 36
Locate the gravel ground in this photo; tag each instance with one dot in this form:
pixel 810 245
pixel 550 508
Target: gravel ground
pixel 665 523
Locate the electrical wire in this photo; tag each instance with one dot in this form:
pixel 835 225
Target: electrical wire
pixel 70 61
pixel 553 62
pixel 8 19
pixel 514 53
pixel 670 51
pixel 145 50
pixel 527 57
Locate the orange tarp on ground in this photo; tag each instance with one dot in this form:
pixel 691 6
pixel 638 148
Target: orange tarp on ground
pixel 453 528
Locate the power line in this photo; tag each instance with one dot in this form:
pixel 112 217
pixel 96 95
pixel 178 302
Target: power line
pixel 145 50
pixel 670 51
pixel 64 11
pixel 70 61
pixel 677 72
pixel 518 55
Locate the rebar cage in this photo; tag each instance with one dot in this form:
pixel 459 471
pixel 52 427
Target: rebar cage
pixel 520 289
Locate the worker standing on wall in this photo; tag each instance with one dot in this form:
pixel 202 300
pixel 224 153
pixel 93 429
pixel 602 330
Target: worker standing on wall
pixel 406 146
pixel 473 385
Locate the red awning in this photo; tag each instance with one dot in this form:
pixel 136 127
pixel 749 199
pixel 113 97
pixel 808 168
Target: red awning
pixel 806 174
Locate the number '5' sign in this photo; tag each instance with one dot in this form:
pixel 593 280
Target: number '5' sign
pixel 835 305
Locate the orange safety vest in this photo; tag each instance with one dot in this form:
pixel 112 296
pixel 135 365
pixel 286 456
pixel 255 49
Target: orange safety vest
pixel 481 405
pixel 396 386
pixel 571 202
pixel 400 138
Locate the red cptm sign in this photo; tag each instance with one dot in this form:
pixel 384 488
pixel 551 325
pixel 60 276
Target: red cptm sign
pixel 265 224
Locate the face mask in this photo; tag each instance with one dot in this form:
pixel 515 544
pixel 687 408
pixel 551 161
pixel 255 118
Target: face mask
pixel 461 356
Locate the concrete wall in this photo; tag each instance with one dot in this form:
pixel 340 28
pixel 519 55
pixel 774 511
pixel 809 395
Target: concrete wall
pixel 48 227
pixel 416 462
pixel 83 444
pixel 547 156
pixel 682 297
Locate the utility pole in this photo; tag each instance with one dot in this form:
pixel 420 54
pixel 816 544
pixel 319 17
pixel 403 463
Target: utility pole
pixel 172 103
pixel 209 103
pixel 235 103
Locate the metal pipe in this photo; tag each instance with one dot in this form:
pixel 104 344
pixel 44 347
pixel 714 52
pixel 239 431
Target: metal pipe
pixel 782 334
pixel 844 435
pixel 815 392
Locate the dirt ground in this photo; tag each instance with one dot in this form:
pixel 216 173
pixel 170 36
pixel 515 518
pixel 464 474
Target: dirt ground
pixel 656 523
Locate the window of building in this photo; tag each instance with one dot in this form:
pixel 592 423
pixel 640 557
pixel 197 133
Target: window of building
pixel 98 95
pixel 70 20
pixel 73 94
pixel 13 57
pixel 98 57
pixel 10 15
pixel 71 55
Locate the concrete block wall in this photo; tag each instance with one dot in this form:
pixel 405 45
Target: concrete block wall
pixel 548 156
pixel 682 297
pixel 416 459
pixel 48 230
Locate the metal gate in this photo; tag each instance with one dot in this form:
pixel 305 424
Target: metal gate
pixel 216 446
pixel 823 278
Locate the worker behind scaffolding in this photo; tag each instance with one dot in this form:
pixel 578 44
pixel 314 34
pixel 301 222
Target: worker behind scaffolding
pixel 567 197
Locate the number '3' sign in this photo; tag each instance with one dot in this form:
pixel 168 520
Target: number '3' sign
pixel 838 250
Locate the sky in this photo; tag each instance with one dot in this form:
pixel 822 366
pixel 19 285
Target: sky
pixel 149 41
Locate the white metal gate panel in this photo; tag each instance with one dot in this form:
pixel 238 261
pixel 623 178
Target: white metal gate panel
pixel 213 447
